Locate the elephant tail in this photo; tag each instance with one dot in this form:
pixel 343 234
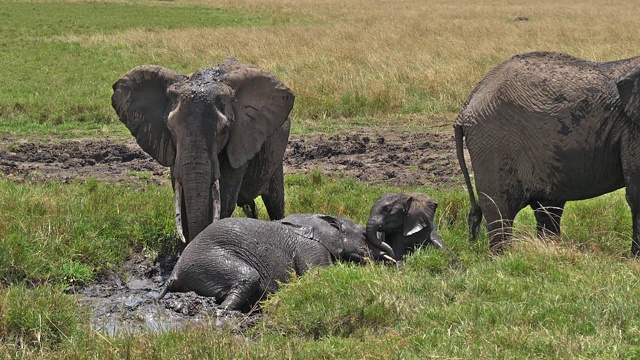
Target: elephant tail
pixel 475 213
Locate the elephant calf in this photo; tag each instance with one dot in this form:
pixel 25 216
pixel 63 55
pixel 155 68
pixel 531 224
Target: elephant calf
pixel 398 223
pixel 239 260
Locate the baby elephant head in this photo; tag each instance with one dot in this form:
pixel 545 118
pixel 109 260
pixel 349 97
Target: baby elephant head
pixel 398 223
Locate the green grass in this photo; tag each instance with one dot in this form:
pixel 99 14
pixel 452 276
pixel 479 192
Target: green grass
pixel 379 65
pixel 572 297
pixel 53 233
pixel 54 77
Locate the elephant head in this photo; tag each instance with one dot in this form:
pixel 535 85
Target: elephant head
pixel 399 222
pixel 344 239
pixel 192 123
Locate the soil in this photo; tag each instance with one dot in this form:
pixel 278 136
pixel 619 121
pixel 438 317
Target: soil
pixel 123 301
pixel 403 159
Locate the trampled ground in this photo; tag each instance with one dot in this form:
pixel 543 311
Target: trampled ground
pixel 121 301
pixel 402 159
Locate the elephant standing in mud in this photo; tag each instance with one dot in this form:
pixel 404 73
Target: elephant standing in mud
pixel 239 260
pixel 544 128
pixel 222 130
pixel 398 223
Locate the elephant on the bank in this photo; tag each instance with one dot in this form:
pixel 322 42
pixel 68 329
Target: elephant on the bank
pixel 399 223
pixel 222 130
pixel 239 260
pixel 544 128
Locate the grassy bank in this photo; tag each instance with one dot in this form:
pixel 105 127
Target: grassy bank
pixel 572 297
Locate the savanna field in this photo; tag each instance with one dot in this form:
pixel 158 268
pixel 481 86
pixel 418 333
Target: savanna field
pixel 359 67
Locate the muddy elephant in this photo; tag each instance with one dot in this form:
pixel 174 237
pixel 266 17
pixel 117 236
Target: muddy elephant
pixel 239 260
pixel 399 223
pixel 544 128
pixel 222 130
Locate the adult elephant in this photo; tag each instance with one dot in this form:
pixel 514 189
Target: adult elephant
pixel 238 260
pixel 398 223
pixel 222 130
pixel 544 128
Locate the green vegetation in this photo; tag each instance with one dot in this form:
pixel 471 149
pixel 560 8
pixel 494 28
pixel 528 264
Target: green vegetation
pixel 52 75
pixel 573 297
pixel 362 63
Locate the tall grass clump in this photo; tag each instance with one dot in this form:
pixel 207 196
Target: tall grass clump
pixel 60 233
pixel 37 317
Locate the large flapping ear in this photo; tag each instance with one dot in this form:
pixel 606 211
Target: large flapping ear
pixel 420 214
pixel 140 100
pixel 629 90
pixel 262 105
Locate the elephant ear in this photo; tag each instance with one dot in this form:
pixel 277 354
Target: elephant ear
pixel 334 245
pixel 629 90
pixel 420 214
pixel 140 100
pixel 262 105
pixel 304 231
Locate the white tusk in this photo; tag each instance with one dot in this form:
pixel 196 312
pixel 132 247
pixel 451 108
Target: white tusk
pixel 215 194
pixel 178 210
pixel 389 258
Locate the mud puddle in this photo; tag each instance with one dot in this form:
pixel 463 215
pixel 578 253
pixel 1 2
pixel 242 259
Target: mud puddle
pixel 121 302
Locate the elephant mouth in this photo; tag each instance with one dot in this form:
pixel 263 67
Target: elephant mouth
pixel 378 253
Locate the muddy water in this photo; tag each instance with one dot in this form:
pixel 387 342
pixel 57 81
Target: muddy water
pixel 123 301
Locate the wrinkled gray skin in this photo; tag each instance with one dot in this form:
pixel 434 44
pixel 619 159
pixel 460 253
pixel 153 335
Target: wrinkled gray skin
pixel 399 223
pixel 545 128
pixel 222 130
pixel 239 260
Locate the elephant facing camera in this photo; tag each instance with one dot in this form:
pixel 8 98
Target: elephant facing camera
pixel 221 130
pixel 400 223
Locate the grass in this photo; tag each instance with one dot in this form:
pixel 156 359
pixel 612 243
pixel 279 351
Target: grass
pixel 571 297
pixel 387 65
pixel 363 61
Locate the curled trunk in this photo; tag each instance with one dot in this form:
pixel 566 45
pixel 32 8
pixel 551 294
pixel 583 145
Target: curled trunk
pixel 376 241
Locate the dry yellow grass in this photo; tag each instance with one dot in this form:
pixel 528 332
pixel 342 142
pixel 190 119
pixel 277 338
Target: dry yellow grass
pixel 402 56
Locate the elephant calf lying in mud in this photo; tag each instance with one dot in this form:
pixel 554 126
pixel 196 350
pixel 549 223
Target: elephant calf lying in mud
pixel 239 260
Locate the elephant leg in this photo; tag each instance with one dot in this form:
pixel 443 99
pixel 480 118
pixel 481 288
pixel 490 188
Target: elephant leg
pixel 246 286
pixel 633 199
pixel 548 215
pixel 230 183
pixel 499 211
pixel 250 210
pixel 274 197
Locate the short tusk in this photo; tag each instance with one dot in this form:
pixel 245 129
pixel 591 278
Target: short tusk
pixel 389 258
pixel 178 211
pixel 215 194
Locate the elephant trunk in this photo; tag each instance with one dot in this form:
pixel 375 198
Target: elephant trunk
pixel 376 241
pixel 198 198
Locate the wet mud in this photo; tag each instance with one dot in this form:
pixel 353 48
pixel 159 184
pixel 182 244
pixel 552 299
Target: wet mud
pixel 122 301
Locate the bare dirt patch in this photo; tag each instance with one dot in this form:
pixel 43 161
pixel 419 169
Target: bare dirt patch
pixel 403 159
pixel 122 301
